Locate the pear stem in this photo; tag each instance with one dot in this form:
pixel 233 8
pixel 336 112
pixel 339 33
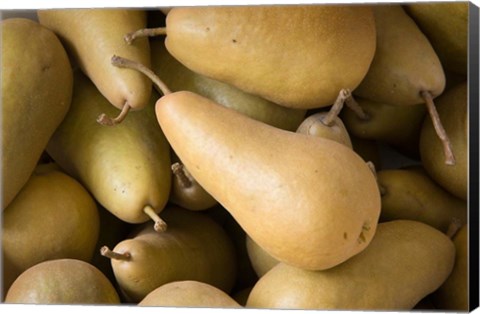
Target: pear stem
pixel 355 106
pixel 145 32
pixel 130 64
pixel 105 251
pixel 104 120
pixel 437 124
pixel 453 228
pixel 179 171
pixel 160 225
pixel 337 106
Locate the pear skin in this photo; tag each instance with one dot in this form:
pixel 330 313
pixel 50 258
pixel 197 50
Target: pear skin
pixel 62 281
pixel 452 107
pixel 259 50
pixel 394 125
pixel 446 26
pixel 453 294
pixel 280 186
pixel 189 293
pixel 178 77
pixel 127 167
pixel 405 63
pixel 410 193
pixel 313 125
pixel 57 207
pixel 91 37
pixel 37 84
pixel 194 247
pixel 406 261
pixel 261 261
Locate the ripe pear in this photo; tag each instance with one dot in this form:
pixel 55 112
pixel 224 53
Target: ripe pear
pixel 453 294
pixel 194 247
pixel 452 109
pixel 189 293
pixel 37 85
pixel 405 63
pixel 280 186
pixel 406 69
pixel 409 193
pixel 126 168
pixel 53 216
pixel 178 77
pixel 91 36
pixel 258 49
pixel 446 26
pixel 394 125
pixel 406 261
pixel 185 191
pixel 62 281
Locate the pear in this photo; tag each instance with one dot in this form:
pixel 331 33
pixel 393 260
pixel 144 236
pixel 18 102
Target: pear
pixel 241 296
pixel 406 261
pixel 178 77
pixel 194 247
pixel 446 26
pixel 280 186
pixel 406 69
pixel 126 168
pixel 91 36
pixel 53 216
pixel 297 56
pixel 410 193
pixel 452 108
pixel 395 125
pixel 37 85
pixel 261 261
pixel 189 293
pixel 453 294
pixel 62 281
pixel 185 191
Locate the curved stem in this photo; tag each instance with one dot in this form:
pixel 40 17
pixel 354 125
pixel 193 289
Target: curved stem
pixel 105 251
pixel 145 32
pixel 355 106
pixel 160 225
pixel 437 124
pixel 179 171
pixel 130 64
pixel 336 107
pixel 104 120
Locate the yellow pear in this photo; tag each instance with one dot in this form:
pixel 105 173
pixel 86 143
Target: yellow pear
pixel 57 207
pixel 297 56
pixel 189 293
pixel 194 247
pixel 62 281
pixel 446 26
pixel 409 193
pixel 91 36
pixel 406 261
pixel 36 88
pixel 126 167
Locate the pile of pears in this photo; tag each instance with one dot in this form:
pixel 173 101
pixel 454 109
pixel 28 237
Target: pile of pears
pixel 237 157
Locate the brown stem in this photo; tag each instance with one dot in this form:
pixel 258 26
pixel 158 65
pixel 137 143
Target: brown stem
pixel 437 124
pixel 105 251
pixel 355 106
pixel 179 171
pixel 334 111
pixel 453 228
pixel 130 64
pixel 160 225
pixel 145 32
pixel 104 120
